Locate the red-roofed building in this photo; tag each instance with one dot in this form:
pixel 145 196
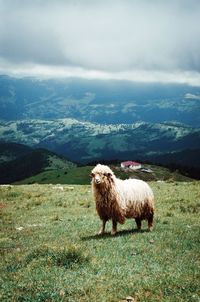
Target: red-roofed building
pixel 131 165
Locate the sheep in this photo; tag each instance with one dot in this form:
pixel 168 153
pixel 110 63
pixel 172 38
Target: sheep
pixel 118 199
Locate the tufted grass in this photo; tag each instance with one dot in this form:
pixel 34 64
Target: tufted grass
pixel 50 251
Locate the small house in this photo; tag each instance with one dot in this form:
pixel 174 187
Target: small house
pixel 131 165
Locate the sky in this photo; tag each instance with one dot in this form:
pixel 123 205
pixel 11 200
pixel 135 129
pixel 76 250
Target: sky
pixel 136 40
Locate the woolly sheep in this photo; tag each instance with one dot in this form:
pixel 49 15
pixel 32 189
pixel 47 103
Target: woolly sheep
pixel 118 199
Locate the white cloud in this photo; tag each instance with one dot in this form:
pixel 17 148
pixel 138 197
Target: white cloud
pixel 191 96
pixel 44 71
pixel 143 40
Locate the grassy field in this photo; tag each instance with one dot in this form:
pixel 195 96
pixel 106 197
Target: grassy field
pixel 50 250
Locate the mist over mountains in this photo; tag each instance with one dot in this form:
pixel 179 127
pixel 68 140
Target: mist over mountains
pixel 98 101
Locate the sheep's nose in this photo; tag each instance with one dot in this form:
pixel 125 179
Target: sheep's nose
pixel 97 180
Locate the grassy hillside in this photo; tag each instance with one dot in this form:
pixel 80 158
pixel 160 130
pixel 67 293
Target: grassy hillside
pixel 50 250
pixel 32 163
pixel 80 175
pixel 74 175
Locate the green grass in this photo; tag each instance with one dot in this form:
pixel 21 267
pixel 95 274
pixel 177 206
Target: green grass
pixel 74 175
pixel 50 251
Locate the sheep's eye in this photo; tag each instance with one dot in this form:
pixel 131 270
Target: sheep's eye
pixel 105 174
pixel 92 175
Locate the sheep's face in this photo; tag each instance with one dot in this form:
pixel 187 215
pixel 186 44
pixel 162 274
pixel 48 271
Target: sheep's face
pixel 100 178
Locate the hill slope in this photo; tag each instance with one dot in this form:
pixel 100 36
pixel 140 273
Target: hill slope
pixel 31 164
pixel 80 175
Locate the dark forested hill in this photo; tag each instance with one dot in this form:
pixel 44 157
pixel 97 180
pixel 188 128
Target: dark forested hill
pixel 32 163
pixel 11 151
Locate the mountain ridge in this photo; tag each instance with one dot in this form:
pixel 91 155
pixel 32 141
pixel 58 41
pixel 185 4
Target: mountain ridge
pixel 85 141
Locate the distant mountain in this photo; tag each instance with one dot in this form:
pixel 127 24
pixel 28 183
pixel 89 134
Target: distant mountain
pixel 104 102
pixel 93 120
pixel 32 163
pixel 85 142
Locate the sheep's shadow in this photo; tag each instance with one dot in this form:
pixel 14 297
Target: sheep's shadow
pixel 107 235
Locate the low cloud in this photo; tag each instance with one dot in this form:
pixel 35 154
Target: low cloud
pixel 191 96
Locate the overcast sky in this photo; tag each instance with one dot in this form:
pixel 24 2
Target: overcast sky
pixel 140 40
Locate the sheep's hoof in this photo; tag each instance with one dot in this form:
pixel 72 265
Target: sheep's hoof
pixel 113 233
pixel 149 229
pixel 100 233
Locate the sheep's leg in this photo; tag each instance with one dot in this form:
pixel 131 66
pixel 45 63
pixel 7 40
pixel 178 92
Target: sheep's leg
pixel 114 227
pixel 102 229
pixel 150 222
pixel 139 223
